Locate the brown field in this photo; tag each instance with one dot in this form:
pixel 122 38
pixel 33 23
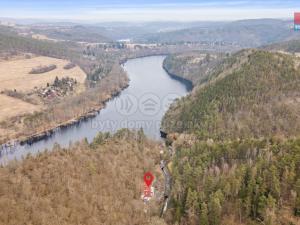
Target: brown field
pixel 15 74
pixel 43 37
pixel 11 107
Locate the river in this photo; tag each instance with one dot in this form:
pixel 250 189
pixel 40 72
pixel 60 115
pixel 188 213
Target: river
pixel 142 105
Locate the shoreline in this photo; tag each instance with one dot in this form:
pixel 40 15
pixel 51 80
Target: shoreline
pixel 48 132
pixel 188 83
pixel 30 139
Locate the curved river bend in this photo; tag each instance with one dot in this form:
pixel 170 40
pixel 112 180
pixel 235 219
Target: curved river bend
pixel 141 105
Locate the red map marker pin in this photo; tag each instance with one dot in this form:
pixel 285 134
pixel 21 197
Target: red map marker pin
pixel 148 178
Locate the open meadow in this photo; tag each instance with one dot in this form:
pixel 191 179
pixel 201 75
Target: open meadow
pixel 11 107
pixel 15 74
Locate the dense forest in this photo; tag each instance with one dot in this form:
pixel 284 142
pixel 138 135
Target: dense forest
pixel 85 184
pixel 257 98
pixel 249 181
pixel 236 142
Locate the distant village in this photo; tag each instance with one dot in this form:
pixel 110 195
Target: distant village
pixel 60 88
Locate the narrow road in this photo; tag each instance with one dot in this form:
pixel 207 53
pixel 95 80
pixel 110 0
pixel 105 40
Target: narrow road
pixel 168 183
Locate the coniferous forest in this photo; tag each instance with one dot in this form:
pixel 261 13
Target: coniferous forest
pixel 237 146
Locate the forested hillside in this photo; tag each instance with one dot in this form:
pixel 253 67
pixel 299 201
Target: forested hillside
pixel 292 46
pixel 10 41
pixel 237 182
pixel 97 183
pixel 236 143
pixel 193 66
pixel 77 33
pixel 260 97
pixel 13 44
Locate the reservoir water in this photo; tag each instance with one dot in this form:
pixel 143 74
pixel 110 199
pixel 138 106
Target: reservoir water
pixel 142 105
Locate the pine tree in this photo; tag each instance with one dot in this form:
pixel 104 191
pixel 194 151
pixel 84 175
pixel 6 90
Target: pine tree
pixel 215 210
pixel 192 206
pixel 203 214
pixel 56 81
pixel 269 215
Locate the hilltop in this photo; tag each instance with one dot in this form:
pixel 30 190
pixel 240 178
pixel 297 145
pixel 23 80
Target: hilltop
pixel 243 33
pixel 291 46
pixel 254 95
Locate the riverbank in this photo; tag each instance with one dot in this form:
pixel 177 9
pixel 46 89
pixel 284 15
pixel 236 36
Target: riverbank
pixel 189 84
pixel 30 139
pixel 71 110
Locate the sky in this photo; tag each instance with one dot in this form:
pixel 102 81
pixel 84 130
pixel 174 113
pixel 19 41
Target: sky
pixel 148 10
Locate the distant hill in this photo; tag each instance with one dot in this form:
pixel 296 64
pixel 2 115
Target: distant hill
pixel 245 33
pixel 77 33
pixel 254 93
pixel 291 46
pixel 10 41
pixel 108 30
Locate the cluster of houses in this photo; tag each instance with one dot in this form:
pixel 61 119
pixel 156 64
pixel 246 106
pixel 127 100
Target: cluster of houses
pixel 60 88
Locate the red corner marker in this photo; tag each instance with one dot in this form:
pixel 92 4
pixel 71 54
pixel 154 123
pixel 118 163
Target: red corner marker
pixel 297 18
pixel 148 178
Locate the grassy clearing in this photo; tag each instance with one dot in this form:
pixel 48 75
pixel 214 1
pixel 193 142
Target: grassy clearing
pixel 15 74
pixel 11 107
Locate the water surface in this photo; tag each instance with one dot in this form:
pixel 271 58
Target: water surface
pixel 141 105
